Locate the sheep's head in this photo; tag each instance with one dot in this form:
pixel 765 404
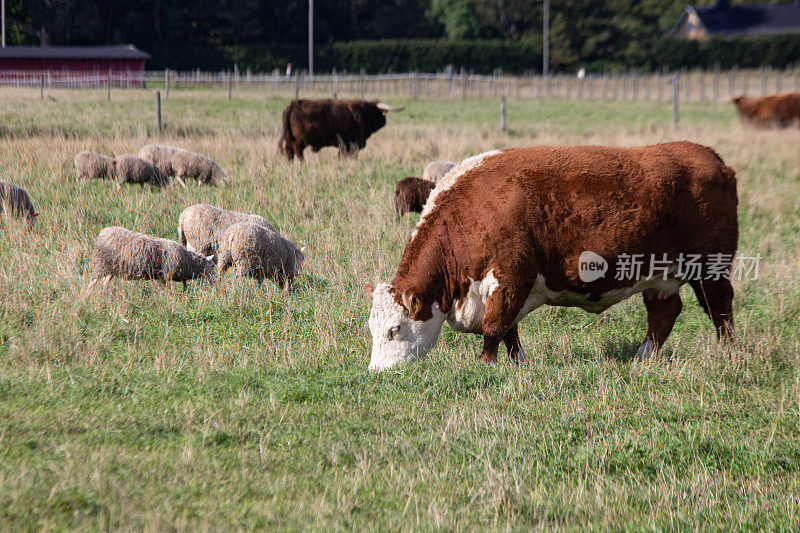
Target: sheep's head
pixel 299 257
pixel 218 176
pixel 197 267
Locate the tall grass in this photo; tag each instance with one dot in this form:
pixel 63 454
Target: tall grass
pixel 230 406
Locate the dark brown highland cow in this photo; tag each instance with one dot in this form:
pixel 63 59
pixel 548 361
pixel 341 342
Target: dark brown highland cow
pixel 345 124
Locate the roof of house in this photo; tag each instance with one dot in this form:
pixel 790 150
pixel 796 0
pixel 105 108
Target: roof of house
pixel 123 51
pixel 760 19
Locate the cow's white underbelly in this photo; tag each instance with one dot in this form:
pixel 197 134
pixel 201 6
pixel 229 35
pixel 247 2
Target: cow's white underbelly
pixel 467 314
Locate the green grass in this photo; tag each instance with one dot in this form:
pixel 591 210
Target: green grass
pixel 230 406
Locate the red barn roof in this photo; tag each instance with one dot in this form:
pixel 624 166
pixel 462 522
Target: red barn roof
pixel 123 51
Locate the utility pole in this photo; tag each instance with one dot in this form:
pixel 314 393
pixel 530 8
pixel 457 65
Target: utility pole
pixel 546 38
pixel 4 23
pixel 310 37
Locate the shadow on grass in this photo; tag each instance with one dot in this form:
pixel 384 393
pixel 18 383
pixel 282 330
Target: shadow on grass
pixel 623 350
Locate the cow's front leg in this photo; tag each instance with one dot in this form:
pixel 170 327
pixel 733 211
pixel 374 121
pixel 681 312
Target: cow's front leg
pixel 662 311
pixel 502 307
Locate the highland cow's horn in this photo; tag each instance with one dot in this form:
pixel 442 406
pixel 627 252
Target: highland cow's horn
pixel 387 107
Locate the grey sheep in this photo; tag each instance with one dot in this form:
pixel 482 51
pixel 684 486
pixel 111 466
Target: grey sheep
pixel 15 203
pixel 135 256
pixel 260 253
pixel 161 156
pixel 201 227
pixel 203 169
pixel 134 169
pixel 436 170
pixel 94 166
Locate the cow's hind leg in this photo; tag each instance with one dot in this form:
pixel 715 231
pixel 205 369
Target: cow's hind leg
pixel 716 299
pixel 661 315
pixel 514 346
pixel 298 149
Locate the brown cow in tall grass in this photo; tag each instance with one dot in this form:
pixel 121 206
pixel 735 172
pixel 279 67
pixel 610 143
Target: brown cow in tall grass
pixel 781 110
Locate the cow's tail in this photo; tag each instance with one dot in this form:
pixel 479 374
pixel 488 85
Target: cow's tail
pixel 286 132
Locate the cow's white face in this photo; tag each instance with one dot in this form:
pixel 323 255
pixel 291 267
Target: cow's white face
pixel 396 337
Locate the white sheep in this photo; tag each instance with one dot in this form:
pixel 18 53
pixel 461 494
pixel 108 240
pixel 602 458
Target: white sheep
pixel 15 203
pixel 190 165
pixel 201 227
pixel 92 165
pixel 436 170
pixel 136 256
pixel 161 156
pixel 134 169
pixel 260 253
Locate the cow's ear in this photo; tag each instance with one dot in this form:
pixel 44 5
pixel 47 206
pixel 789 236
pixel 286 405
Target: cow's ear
pixel 368 290
pixel 411 303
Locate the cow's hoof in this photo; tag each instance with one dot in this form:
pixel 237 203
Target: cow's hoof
pixel 518 357
pixel 646 349
pixel 488 357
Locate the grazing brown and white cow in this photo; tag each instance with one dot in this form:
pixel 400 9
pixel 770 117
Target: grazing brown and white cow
pixel 346 124
pixel 781 110
pixel 506 232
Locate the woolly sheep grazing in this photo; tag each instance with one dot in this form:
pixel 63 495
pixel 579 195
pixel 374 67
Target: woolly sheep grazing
pixel 161 156
pixel 134 169
pixel 203 169
pixel 15 203
pixel 92 165
pixel 135 256
pixel 410 194
pixel 436 170
pixel 201 227
pixel 257 252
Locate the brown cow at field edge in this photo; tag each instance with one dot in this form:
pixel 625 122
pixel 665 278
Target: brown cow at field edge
pixel 506 232
pixel 346 124
pixel 410 195
pixel 780 110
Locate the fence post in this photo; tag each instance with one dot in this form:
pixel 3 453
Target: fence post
pixel 502 113
pixel 614 86
pixel 674 82
pixel 715 84
pixel 158 110
pixel 230 86
pixel 659 86
pixel 108 85
pixel 335 83
pixel 744 82
pixel 796 85
pixel 166 83
pixel 463 84
pixel 763 80
pixel 363 84
pixel 41 87
pixel 296 86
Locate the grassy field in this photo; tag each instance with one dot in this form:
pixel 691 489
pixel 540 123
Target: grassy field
pixel 234 407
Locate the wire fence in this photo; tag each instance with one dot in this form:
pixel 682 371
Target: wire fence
pixel 692 86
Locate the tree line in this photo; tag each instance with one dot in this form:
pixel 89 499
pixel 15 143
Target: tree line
pixel 213 34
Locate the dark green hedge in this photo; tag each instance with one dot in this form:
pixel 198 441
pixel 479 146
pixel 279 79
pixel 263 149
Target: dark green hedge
pixel 426 55
pixel 431 55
